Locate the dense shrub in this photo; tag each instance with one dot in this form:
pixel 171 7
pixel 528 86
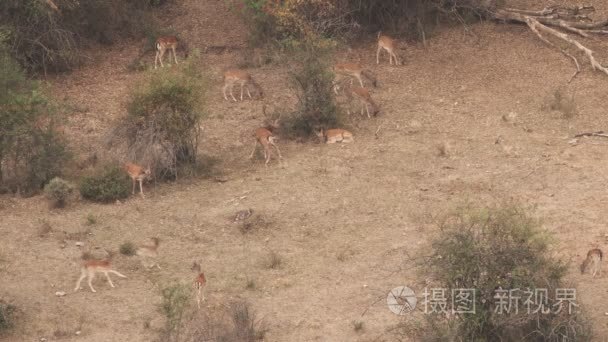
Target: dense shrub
pixel 500 248
pixel 162 126
pixel 44 38
pixel 32 151
pixel 313 84
pixel 57 192
pixel 110 185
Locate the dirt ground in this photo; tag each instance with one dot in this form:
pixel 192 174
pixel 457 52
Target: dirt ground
pixel 343 219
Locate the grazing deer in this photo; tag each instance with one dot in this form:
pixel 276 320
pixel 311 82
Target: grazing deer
pixel 593 262
pixel 164 43
pixel 91 267
pixel 390 45
pixel 148 252
pixel 199 283
pixel 265 137
pixel 354 70
pixel 335 135
pixel 243 79
pixel 138 174
pixel 364 97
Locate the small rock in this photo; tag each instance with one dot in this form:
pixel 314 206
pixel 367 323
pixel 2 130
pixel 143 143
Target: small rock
pixel 364 285
pixel 59 293
pixel 79 243
pixel 78 333
pixel 42 339
pixel 573 141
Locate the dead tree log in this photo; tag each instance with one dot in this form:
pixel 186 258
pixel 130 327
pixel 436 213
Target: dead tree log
pixel 552 21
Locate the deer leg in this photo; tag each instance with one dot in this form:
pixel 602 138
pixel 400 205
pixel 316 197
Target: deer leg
pixel 141 189
pixel 109 280
pixel 242 86
pixel 160 57
pixel 174 55
pixel 117 273
pixel 224 91
pixel 231 94
pixel 156 59
pixel 378 54
pixel 266 154
pixel 277 148
pixel 133 188
pixel 83 274
pixel 360 80
pixel 90 280
pixel 255 144
pixel 367 109
pixel 248 92
pixel 198 298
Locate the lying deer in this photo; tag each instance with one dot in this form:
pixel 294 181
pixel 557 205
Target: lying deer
pixel 92 267
pixel 265 137
pixel 243 79
pixel 149 252
pixel 390 45
pixel 335 135
pixel 199 283
pixel 138 174
pixel 593 262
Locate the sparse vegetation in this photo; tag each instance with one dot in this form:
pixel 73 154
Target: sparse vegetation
pixel 562 102
pixel 357 325
pixel 250 285
pixel 255 222
pixel 7 313
pixel 127 248
pixel 32 151
pixel 175 302
pixel 91 219
pixel 45 228
pixel 110 185
pixel 274 260
pixel 500 248
pixel 57 191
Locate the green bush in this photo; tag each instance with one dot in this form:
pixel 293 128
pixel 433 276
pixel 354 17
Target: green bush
pixel 174 305
pixel 57 192
pixel 163 120
pixel 500 248
pixel 32 150
pixel 128 249
pixel 313 83
pixel 112 184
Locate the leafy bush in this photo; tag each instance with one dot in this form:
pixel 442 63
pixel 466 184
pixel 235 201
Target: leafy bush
pixel 175 302
pixel 500 248
pixel 57 192
pixel 112 184
pixel 163 121
pixel 128 249
pixel 313 83
pixel 32 150
pixel 7 312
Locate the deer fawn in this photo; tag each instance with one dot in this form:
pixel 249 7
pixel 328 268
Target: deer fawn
pixel 138 174
pixel 335 135
pixel 354 70
pixel 164 43
pixel 265 137
pixel 199 283
pixel 364 97
pixel 243 79
pixel 91 267
pixel 149 252
pixel 593 262
pixel 390 45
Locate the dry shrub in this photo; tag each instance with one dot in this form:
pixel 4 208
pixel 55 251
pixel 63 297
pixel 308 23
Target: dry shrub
pixel 57 191
pixel 254 223
pixel 491 248
pixel 563 102
pixel 32 150
pixel 162 126
pixel 175 302
pixel 236 324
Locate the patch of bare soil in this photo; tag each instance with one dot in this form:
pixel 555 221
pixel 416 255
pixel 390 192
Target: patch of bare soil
pixel 344 220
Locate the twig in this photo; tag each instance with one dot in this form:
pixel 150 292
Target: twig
pixel 592 134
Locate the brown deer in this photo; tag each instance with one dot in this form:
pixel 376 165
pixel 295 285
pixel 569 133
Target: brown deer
pixel 138 174
pixel 243 79
pixel 199 283
pixel 354 70
pixel 390 45
pixel 163 44
pixel 365 99
pixel 92 267
pixel 593 262
pixel 335 135
pixel 149 252
pixel 265 137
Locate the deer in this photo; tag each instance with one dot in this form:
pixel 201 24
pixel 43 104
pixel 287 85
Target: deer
pixel 94 266
pixel 243 79
pixel 354 70
pixel 138 174
pixel 390 45
pixel 265 137
pixel 163 43
pixel 149 251
pixel 335 135
pixel 199 283
pixel 365 99
pixel 593 262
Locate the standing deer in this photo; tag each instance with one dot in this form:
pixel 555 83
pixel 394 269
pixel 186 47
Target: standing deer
pixel 91 267
pixel 163 44
pixel 265 137
pixel 365 99
pixel 593 262
pixel 354 70
pixel 243 79
pixel 138 174
pixel 199 283
pixel 390 45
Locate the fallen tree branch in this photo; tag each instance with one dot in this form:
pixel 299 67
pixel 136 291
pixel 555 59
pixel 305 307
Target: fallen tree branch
pixel 592 134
